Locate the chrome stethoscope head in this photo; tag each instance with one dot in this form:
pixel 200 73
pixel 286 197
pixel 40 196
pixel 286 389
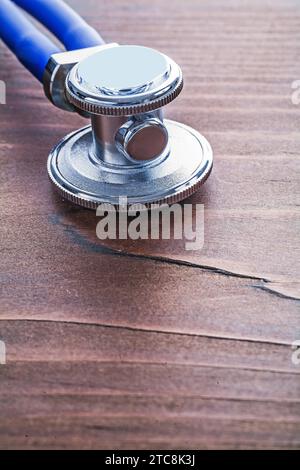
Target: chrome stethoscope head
pixel 129 149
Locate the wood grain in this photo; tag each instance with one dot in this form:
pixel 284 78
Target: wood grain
pixel 143 344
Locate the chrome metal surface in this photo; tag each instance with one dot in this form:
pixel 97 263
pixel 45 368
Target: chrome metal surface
pixel 112 135
pixel 88 181
pixel 124 80
pixel 57 69
pixel 129 149
pixel 104 130
pixel 123 89
pixel 142 139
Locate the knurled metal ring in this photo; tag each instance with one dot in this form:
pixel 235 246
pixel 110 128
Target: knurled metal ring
pixel 90 204
pixel 91 106
pixel 66 176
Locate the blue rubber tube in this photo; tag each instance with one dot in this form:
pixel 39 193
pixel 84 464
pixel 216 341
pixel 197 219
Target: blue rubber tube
pixel 31 47
pixel 63 22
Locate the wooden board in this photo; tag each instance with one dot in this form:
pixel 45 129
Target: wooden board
pixel 143 344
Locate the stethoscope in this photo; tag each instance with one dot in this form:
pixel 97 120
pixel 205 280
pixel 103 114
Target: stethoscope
pixel 129 149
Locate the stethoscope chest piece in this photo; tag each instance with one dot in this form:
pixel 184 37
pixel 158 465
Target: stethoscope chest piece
pixel 129 149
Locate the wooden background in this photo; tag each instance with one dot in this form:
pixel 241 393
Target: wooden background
pixel 144 344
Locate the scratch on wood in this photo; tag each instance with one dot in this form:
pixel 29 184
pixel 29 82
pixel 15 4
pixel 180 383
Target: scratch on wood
pixel 150 330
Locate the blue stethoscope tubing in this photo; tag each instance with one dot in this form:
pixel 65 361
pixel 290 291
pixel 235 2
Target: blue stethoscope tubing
pixel 31 47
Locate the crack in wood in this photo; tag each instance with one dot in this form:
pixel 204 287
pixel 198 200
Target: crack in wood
pixel 275 292
pixel 83 242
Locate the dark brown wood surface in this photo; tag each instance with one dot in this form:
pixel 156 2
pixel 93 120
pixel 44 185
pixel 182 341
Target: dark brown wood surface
pixel 144 344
